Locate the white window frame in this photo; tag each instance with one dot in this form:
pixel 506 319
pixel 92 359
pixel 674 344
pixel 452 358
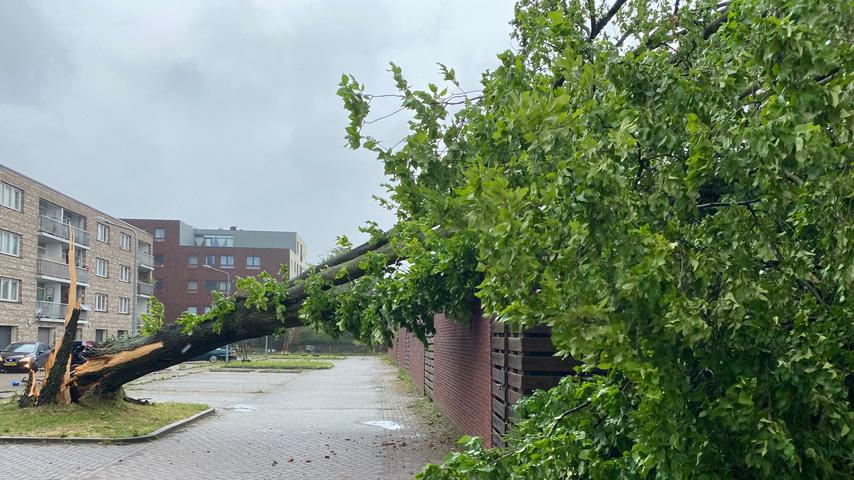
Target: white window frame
pixel 103 233
pixel 254 264
pixel 106 270
pixel 124 241
pixel 159 234
pixel 192 264
pixel 192 309
pixel 10 289
pixel 11 196
pixel 226 265
pixel 193 290
pixel 6 242
pixel 102 302
pixel 124 273
pixel 124 305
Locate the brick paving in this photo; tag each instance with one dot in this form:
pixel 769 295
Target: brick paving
pixel 314 424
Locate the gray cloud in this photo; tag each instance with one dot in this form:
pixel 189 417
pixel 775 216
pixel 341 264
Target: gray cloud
pixel 221 113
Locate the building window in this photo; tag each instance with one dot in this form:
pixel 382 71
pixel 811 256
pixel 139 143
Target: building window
pixel 193 261
pixel 215 240
pixel 10 197
pixel 124 305
pixel 218 285
pixel 210 260
pixel 124 241
pixel 103 233
pixel 121 333
pixel 193 310
pixel 253 262
pixel 10 289
pixel 158 285
pixel 124 273
pixel 100 335
pixel 226 261
pixel 158 260
pixel 159 234
pixel 192 286
pixel 10 243
pixel 207 309
pixel 101 302
pixel 102 267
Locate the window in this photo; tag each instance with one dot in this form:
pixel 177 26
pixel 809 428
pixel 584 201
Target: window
pixel 226 261
pixel 253 262
pixel 193 261
pixel 101 302
pixel 103 233
pixel 159 234
pixel 208 309
pixel 102 267
pixel 124 273
pixel 10 196
pixel 219 285
pixel 192 286
pixel 124 241
pixel 193 310
pixel 10 243
pixel 210 260
pixel 158 259
pixel 215 240
pixel 100 335
pixel 121 333
pixel 124 305
pixel 10 289
pixel 158 285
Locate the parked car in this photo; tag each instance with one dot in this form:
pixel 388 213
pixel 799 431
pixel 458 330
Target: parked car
pixel 24 356
pixel 79 350
pixel 217 354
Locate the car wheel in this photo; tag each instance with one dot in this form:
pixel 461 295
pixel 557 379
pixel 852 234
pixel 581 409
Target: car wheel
pixel 213 359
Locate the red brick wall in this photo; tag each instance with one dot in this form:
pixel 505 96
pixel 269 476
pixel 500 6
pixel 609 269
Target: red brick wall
pixel 461 372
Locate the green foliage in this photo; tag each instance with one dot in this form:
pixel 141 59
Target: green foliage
pixel 673 196
pixel 152 321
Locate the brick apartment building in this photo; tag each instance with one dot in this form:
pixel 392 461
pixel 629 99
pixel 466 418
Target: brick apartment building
pixel 190 263
pixel 114 266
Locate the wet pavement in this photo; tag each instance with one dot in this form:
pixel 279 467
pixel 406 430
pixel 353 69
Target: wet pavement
pixel 353 421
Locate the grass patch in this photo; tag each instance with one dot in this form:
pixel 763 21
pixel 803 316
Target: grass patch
pixel 108 419
pixel 319 356
pixel 283 364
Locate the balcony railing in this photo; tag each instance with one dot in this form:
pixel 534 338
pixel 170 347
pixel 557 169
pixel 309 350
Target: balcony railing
pixel 61 230
pixel 55 310
pixel 143 288
pixel 145 259
pixel 57 269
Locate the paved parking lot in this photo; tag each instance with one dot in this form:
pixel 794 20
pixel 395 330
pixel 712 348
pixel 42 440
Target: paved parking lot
pixel 349 422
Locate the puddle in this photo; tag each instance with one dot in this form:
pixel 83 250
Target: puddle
pixel 242 408
pixel 386 424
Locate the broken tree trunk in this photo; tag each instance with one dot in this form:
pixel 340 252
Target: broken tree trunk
pixel 55 386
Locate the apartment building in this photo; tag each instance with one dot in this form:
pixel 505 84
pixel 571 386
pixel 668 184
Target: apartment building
pixel 113 260
pixel 191 263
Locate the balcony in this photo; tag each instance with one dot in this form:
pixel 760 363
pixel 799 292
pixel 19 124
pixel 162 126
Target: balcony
pixel 55 311
pixel 146 289
pixel 145 259
pixel 57 269
pixel 62 230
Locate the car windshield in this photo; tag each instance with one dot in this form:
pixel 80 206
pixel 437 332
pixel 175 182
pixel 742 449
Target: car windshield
pixel 21 348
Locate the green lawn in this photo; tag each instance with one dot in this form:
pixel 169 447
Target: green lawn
pixel 282 364
pixel 111 420
pixel 319 356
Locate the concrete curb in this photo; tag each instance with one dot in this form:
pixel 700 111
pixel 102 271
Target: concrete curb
pixel 86 440
pixel 260 370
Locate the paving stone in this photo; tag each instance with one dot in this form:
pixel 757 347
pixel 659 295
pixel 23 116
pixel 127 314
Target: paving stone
pixel 314 424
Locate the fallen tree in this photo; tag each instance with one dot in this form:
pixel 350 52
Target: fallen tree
pixel 268 306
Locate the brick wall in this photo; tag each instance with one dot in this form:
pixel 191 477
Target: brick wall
pixel 461 372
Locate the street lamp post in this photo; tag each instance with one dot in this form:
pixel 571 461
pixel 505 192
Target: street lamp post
pixel 227 293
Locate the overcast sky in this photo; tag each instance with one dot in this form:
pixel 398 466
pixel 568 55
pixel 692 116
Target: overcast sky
pixel 222 113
